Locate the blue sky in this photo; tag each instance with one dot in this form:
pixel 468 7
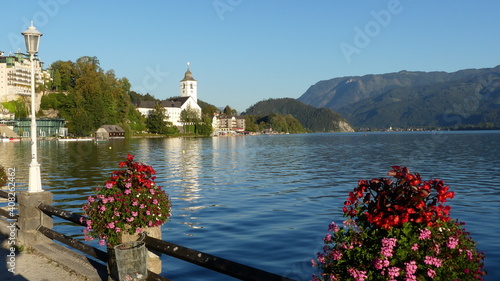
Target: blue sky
pixel 245 51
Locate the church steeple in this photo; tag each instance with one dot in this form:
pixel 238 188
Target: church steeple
pixel 189 86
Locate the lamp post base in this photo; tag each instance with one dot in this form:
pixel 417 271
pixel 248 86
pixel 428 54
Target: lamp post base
pixel 35 182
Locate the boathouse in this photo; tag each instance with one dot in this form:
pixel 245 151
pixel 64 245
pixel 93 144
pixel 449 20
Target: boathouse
pixel 109 132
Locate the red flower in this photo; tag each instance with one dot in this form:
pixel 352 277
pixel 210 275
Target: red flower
pixel 384 203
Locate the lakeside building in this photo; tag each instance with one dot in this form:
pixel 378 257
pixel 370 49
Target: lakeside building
pixel 15 76
pixel 227 125
pixel 46 127
pixel 106 132
pixel 188 100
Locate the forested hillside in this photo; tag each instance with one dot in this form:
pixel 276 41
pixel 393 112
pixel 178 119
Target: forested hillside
pixel 88 97
pixel 311 118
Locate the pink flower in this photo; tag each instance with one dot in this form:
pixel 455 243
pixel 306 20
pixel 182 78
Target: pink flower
pixel 321 258
pixel 128 185
pixel 128 191
pixel 379 264
pixel 333 227
pixel 328 237
pixel 437 249
pixel 117 214
pixel 411 267
pixel 358 275
pixel 111 225
pixel 104 200
pixel 393 272
pixel 142 206
pixel 134 214
pixel 387 246
pixel 414 247
pixel 155 201
pixel 138 230
pixel 90 199
pixel 431 273
pixel 313 262
pixel 452 243
pixel 109 185
pixel 102 208
pixel 469 254
pixel 424 234
pixel 433 261
pixel 336 254
pixel 150 223
pixel 102 242
pixel 118 229
pixel 152 191
pixel 135 203
pixel 129 219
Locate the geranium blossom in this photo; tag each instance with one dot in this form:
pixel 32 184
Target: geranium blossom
pixel 399 230
pixel 424 234
pixel 452 243
pixel 433 261
pixel 359 275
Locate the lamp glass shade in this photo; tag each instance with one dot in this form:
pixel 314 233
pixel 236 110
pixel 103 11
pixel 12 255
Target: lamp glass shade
pixel 32 39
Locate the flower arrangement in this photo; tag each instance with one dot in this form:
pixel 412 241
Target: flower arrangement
pixel 399 230
pixel 129 202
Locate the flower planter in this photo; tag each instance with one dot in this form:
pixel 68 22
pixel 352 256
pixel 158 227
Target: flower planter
pixel 131 261
pixel 153 261
pixel 128 204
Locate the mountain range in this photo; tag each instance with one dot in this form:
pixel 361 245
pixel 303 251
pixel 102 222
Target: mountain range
pixel 469 97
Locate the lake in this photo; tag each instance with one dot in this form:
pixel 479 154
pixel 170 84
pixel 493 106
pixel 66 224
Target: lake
pixel 266 201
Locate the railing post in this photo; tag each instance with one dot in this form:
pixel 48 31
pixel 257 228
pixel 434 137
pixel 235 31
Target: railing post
pixel 30 217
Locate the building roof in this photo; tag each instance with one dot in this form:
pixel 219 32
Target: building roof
pixel 7 132
pixel 113 128
pixel 172 102
pixel 188 76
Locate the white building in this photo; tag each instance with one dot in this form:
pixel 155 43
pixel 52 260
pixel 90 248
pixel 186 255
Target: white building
pixel 15 76
pixel 226 125
pixel 189 86
pixel 174 106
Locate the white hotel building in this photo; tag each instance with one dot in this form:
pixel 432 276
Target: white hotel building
pixel 15 76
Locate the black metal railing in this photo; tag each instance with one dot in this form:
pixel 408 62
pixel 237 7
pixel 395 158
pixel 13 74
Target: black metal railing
pixel 221 265
pixel 5 212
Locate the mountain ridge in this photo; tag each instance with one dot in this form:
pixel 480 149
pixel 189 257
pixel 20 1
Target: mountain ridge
pixel 362 99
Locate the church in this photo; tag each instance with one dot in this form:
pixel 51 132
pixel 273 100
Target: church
pixel 188 100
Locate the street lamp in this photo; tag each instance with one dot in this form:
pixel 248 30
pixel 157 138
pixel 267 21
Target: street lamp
pixel 32 39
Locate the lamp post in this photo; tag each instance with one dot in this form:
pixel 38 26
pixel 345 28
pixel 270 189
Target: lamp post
pixel 32 39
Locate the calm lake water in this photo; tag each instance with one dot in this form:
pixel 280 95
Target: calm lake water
pixel 266 201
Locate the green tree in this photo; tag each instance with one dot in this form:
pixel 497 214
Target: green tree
pixel 18 107
pixel 228 111
pixel 156 123
pixel 204 127
pixel 56 80
pixel 65 72
pixel 189 117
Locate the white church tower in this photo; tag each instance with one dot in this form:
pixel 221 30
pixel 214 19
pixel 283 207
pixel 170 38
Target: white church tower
pixel 189 86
